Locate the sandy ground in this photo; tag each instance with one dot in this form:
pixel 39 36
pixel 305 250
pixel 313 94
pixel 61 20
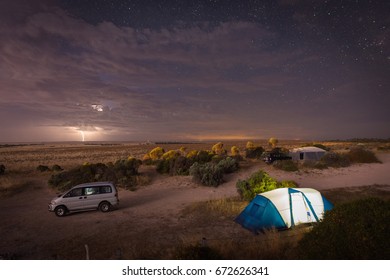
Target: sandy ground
pixel 151 214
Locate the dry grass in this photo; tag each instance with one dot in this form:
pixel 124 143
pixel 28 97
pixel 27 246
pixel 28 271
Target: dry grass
pixel 353 193
pixel 225 207
pixel 27 158
pixel 20 158
pixel 24 158
pixel 234 242
pixel 10 185
pixel 226 239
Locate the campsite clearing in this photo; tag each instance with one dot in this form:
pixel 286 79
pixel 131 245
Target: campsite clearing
pixel 156 220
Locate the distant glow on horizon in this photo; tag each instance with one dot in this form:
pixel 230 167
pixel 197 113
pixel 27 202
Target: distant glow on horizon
pixel 210 137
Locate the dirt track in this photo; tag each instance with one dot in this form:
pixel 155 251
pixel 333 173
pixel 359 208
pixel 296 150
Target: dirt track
pixel 150 215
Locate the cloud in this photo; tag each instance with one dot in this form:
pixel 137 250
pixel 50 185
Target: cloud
pixel 231 78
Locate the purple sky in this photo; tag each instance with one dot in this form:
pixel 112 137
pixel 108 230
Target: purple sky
pixel 193 70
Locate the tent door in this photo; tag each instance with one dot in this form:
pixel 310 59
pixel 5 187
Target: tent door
pixel 300 210
pixel 301 155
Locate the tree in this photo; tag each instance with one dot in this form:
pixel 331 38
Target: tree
pixel 250 145
pixel 273 142
pixel 218 149
pixel 156 153
pixel 235 151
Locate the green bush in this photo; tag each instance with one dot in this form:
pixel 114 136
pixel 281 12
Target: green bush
pixel 43 168
pixel 217 158
pixel 179 165
pixel 260 182
pixel 163 166
pixel 122 172
pixel 200 156
pixel 204 156
pixel 228 165
pixel 56 167
pixel 211 173
pixel 126 168
pixel 255 152
pixel 288 184
pixel 354 230
pixel 207 174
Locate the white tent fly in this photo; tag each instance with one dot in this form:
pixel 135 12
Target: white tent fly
pixel 307 153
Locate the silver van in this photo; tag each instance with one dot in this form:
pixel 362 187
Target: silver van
pixel 83 197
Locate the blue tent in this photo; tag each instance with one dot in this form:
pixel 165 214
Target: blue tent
pixel 284 208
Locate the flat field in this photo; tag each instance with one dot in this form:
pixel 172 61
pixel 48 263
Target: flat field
pixel 160 220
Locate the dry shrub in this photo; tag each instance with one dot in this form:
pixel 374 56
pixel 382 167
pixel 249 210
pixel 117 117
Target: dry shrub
pixel 331 159
pixel 286 165
pixel 360 155
pixel 254 152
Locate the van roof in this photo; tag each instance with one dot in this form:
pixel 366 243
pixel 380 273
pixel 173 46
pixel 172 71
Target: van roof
pixel 94 184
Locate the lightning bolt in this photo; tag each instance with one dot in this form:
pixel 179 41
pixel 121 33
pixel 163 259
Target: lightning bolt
pixel 82 135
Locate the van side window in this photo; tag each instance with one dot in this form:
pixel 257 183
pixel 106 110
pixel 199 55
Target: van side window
pixel 105 189
pixel 76 192
pixel 91 190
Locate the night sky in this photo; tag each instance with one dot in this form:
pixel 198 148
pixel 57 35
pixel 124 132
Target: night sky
pixel 165 70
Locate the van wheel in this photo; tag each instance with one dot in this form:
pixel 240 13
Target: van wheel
pixel 104 206
pixel 60 211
